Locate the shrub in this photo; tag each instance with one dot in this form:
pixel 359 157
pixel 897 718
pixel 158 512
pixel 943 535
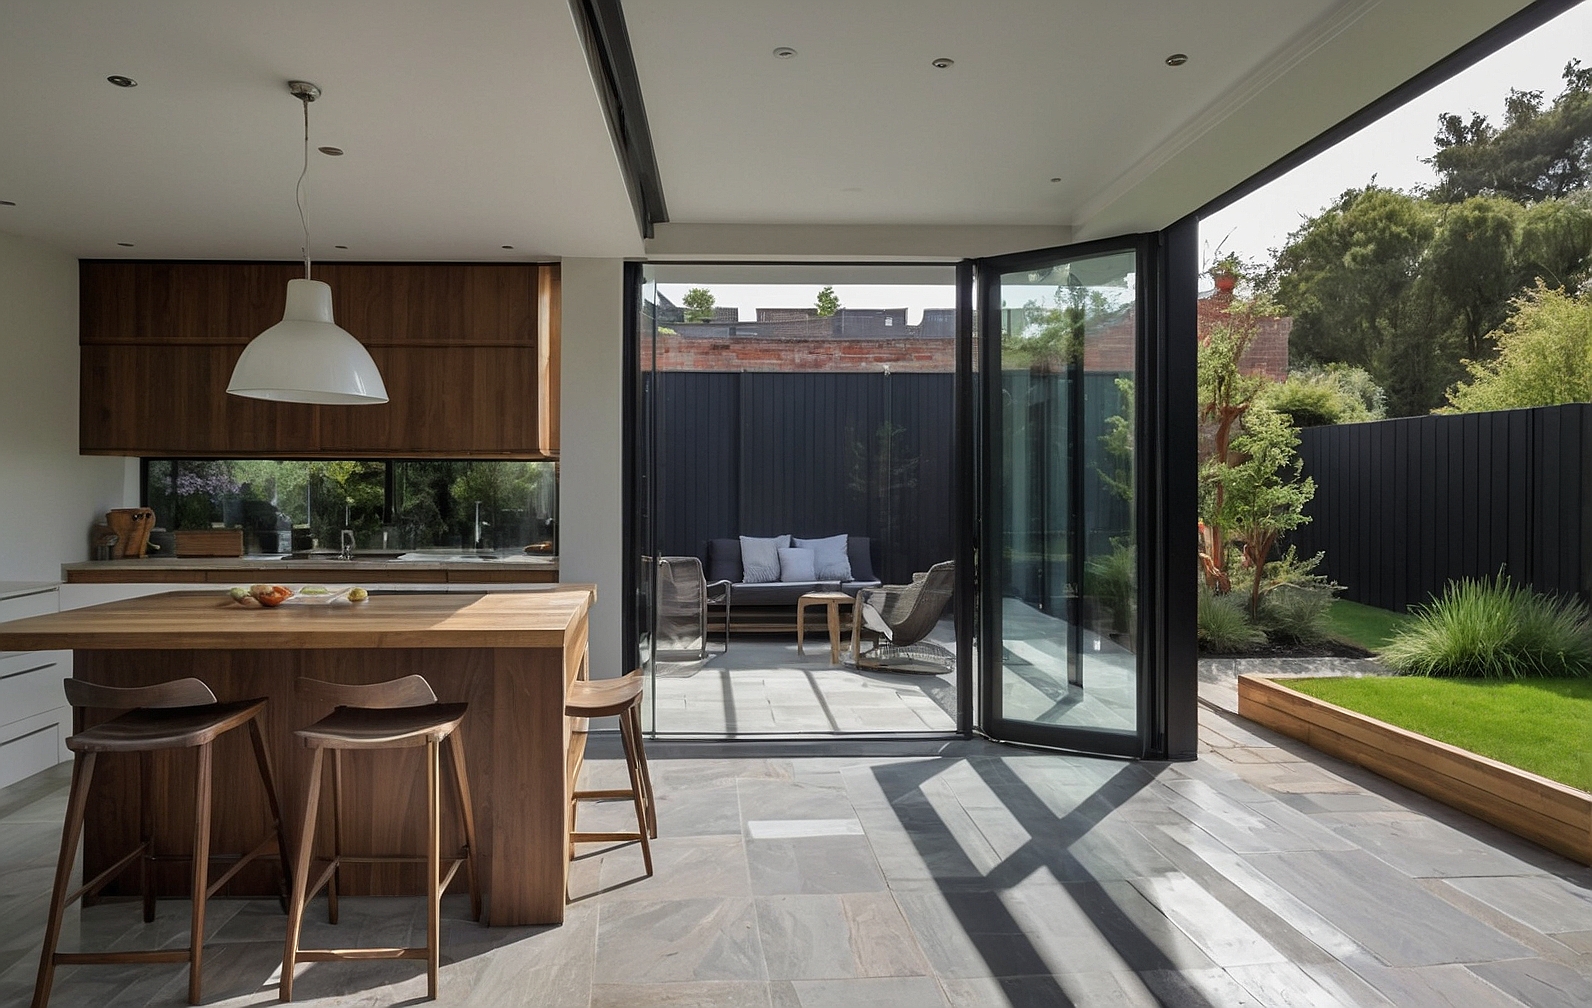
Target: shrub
pixel 1223 624
pixel 1111 579
pixel 1544 356
pixel 1296 614
pixel 1316 397
pixel 1494 630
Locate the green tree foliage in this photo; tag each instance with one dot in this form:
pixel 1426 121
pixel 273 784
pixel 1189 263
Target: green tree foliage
pixel 1556 241
pixel 1051 338
pixel 828 302
pixel 1261 494
pixel 1316 397
pixel 1538 154
pixel 1544 356
pixel 698 305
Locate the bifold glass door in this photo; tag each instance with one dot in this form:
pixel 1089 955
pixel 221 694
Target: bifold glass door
pixel 1060 334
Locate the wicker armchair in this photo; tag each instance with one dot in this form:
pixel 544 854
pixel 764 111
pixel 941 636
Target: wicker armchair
pixel 684 595
pixel 895 617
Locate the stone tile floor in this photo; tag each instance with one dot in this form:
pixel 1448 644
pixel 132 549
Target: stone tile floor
pixel 920 875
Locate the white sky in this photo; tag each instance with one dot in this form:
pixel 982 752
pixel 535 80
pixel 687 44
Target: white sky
pixel 1390 149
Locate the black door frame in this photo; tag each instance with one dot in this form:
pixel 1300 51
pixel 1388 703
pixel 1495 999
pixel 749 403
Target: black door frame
pixel 1165 504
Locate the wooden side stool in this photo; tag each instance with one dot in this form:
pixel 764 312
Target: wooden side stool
pixel 181 714
pixel 398 714
pixel 589 698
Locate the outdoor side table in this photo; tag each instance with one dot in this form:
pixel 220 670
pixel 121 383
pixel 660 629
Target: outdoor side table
pixel 831 601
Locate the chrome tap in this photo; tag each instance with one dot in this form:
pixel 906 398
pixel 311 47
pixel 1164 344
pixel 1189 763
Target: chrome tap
pixel 348 545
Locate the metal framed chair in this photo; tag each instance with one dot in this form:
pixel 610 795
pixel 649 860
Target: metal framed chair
pixel 684 597
pixel 896 617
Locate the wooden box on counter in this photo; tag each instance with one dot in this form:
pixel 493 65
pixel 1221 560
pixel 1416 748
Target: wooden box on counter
pixel 209 542
pixel 468 351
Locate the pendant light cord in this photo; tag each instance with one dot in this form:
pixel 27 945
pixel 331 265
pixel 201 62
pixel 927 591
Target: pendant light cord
pixel 298 190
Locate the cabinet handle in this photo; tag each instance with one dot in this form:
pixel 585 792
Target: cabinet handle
pixel 30 734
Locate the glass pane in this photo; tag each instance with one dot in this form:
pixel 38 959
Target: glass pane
pixel 644 435
pixel 1068 341
pixel 449 506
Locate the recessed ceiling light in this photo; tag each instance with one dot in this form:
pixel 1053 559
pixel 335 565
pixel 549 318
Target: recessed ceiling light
pixel 1177 59
pixel 508 246
pixel 784 52
pixel 942 62
pixel 332 151
pixel 125 244
pixel 121 81
pixel 6 202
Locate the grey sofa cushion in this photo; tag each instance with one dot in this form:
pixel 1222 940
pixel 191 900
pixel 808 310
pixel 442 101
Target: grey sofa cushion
pixel 859 549
pixel 724 560
pixel 796 565
pixel 830 562
pixel 760 558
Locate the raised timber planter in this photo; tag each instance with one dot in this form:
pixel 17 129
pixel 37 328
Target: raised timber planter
pixel 1554 815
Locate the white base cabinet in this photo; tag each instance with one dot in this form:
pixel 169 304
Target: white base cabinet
pixel 34 717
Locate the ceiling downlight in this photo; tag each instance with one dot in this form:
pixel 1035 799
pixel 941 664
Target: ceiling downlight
pixel 121 81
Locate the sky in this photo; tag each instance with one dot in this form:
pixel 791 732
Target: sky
pixel 1389 150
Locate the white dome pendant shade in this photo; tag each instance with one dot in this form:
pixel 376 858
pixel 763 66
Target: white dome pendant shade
pixel 307 358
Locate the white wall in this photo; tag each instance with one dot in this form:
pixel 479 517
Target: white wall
pixel 49 494
pixel 591 449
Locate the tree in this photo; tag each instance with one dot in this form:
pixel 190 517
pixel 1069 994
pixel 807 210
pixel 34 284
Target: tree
pixel 828 302
pixel 1544 356
pixel 1470 262
pixel 1538 154
pixel 1258 492
pixel 1052 338
pixel 698 304
pixel 1556 242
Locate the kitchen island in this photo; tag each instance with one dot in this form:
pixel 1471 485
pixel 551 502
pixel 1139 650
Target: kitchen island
pixel 511 656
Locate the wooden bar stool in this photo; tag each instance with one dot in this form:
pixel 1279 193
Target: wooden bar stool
pixel 398 714
pixel 181 714
pixel 590 698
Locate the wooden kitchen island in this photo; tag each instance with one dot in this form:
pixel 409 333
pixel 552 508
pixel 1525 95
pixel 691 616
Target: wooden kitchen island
pixel 511 656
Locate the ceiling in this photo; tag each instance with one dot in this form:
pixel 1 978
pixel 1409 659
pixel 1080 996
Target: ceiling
pixel 474 124
pixel 467 126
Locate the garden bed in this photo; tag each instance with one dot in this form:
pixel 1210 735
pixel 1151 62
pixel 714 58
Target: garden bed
pixel 1546 811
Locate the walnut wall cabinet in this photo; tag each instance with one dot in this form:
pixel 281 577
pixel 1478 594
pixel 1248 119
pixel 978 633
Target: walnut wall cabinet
pixel 468 351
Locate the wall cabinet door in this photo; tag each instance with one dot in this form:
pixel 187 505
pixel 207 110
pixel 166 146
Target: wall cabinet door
pixel 464 349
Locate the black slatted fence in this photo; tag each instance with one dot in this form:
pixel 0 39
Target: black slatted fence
pixel 1404 506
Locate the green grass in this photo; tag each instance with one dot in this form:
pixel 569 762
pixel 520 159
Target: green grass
pixel 1540 725
pixel 1367 626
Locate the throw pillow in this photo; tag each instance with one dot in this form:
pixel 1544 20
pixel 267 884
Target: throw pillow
pixel 796 565
pixel 830 562
pixel 760 558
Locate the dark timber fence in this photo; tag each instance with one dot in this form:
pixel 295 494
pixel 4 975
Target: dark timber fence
pixel 1404 506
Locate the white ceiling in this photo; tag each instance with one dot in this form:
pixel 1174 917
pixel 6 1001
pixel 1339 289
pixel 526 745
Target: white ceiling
pixel 473 124
pixel 467 126
pixel 859 128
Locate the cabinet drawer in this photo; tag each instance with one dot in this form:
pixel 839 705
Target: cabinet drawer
pixel 30 683
pixel 36 604
pixel 34 744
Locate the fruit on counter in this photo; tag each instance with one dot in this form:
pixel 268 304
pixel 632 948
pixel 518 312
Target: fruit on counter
pixel 238 593
pixel 271 596
pixel 315 590
pixel 357 594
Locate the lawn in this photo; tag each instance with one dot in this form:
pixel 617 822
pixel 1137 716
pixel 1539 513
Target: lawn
pixel 1540 725
pixel 1367 626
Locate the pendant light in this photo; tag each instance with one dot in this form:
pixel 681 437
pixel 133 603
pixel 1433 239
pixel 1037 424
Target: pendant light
pixel 306 357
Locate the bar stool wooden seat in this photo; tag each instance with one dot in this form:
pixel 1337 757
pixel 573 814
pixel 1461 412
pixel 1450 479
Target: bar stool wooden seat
pixel 589 698
pixel 181 714
pixel 398 714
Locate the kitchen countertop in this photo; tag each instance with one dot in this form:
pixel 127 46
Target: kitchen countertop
pixel 211 620
pixel 231 570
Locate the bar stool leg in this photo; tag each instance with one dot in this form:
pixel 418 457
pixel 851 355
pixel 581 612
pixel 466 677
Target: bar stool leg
pixel 262 759
pixel 201 870
pixel 303 853
pixel 461 780
pixel 646 774
pixel 337 836
pixel 433 867
pixel 77 801
pixel 632 743
pixel 146 832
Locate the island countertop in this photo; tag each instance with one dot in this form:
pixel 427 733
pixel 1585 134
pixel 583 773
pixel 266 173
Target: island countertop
pixel 211 620
pixel 324 568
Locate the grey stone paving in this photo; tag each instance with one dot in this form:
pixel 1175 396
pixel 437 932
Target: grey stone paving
pixel 974 875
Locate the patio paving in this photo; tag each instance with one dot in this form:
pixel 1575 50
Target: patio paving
pixel 925 874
